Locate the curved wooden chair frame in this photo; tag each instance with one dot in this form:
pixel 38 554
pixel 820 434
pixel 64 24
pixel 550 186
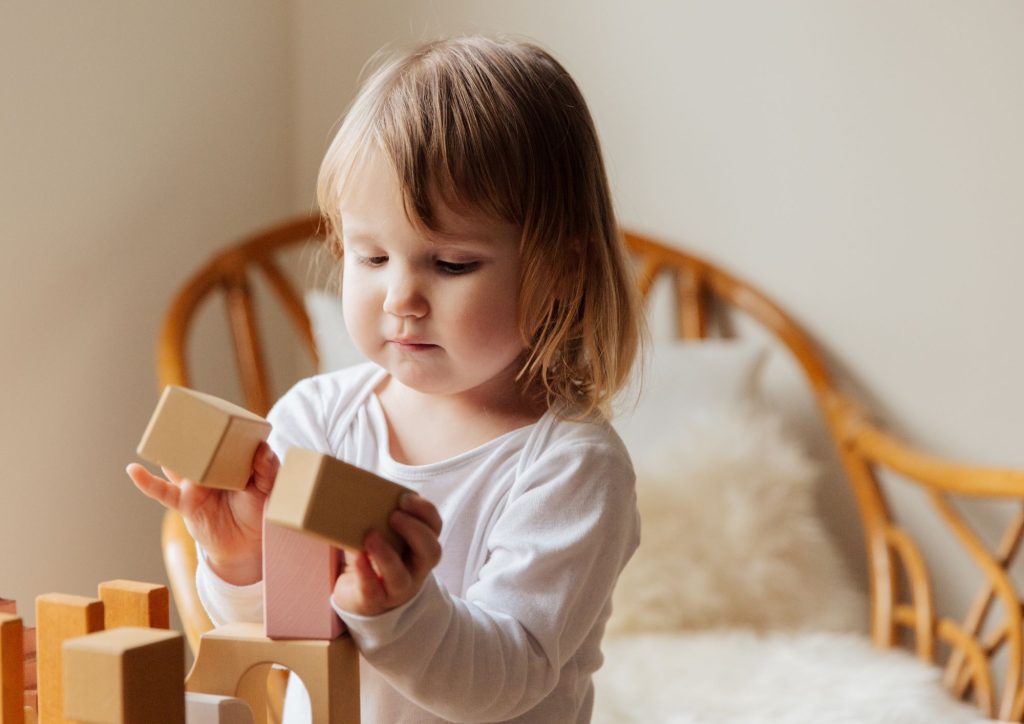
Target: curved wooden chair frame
pixel 898 612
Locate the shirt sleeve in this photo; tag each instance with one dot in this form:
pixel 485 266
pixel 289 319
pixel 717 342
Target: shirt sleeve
pixel 568 528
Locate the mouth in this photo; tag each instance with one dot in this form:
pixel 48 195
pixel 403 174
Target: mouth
pixel 412 345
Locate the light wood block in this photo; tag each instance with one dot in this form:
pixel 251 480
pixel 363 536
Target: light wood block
pixel 128 675
pixel 60 617
pixel 299 572
pixel 203 438
pixel 329 669
pixel 12 671
pixel 214 709
pixel 132 603
pixel 337 502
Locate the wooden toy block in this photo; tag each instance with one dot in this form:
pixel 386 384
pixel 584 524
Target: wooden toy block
pixel 214 709
pixel 31 678
pixel 32 700
pixel 30 715
pixel 12 671
pixel 203 438
pixel 9 605
pixel 131 603
pixel 299 572
pixel 30 642
pixel 329 669
pixel 60 617
pixel 337 502
pixel 128 675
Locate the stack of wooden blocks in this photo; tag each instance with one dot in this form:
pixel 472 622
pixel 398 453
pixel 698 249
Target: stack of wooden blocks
pixel 112 659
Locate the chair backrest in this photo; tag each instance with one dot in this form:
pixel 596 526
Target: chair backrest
pixel 970 646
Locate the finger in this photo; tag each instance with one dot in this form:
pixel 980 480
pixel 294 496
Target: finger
pixel 394 576
pixel 419 507
pixel 172 476
pixel 265 465
pixel 367 583
pixel 165 493
pixel 424 548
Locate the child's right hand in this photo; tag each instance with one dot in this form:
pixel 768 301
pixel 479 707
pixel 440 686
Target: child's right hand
pixel 228 524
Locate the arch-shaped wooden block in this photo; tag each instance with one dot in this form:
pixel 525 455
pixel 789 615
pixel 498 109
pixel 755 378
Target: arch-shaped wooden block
pixel 329 669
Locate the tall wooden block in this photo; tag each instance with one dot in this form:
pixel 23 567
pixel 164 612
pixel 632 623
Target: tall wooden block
pixel 203 438
pixel 299 572
pixel 325 497
pixel 60 617
pixel 12 671
pixel 128 675
pixel 132 603
pixel 214 709
pixel 329 669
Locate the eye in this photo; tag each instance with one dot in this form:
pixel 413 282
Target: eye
pixel 455 268
pixel 373 260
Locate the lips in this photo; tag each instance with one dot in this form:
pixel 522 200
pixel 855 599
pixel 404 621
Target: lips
pixel 411 343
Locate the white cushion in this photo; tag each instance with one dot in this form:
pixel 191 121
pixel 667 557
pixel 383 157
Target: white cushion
pixel 730 534
pixel 739 677
pixel 332 341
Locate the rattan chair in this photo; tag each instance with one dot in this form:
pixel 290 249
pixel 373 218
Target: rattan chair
pixel 900 614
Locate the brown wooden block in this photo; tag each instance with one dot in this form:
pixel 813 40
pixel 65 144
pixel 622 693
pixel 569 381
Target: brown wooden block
pixel 325 497
pixel 128 675
pixel 60 617
pixel 299 572
pixel 214 709
pixel 12 671
pixel 329 669
pixel 203 438
pixel 131 603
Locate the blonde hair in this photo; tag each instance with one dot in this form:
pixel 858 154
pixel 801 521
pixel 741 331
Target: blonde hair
pixel 500 127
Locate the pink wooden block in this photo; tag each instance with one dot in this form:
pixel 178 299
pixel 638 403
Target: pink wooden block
pixel 299 572
pixel 9 605
pixel 29 638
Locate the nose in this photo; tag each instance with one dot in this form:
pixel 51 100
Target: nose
pixel 405 295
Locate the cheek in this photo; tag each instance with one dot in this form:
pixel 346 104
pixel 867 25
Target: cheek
pixel 356 303
pixel 489 320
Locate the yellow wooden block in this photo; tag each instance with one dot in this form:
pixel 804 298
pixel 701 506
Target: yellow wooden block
pixel 12 670
pixel 329 669
pixel 60 617
pixel 335 501
pixel 128 675
pixel 132 603
pixel 203 438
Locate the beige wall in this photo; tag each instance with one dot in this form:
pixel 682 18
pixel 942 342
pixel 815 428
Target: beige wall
pixel 134 137
pixel 861 162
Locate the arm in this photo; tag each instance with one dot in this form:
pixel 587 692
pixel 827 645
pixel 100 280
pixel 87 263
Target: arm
pixel 567 530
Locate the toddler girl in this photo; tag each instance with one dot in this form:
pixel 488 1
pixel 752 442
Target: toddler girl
pixel 484 279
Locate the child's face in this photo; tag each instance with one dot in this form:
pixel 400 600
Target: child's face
pixel 438 314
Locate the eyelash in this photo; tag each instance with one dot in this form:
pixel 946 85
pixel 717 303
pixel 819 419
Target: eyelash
pixel 452 268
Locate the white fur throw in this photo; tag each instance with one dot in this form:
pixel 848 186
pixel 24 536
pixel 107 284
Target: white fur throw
pixel 730 534
pixel 741 677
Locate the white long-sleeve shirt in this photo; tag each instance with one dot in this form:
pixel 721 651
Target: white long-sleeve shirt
pixel 538 523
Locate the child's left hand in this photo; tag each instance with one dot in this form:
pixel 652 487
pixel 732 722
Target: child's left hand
pixel 379 579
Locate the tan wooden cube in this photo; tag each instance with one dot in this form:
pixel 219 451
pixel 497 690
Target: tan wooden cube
pixel 203 438
pixel 135 603
pixel 127 675
pixel 337 502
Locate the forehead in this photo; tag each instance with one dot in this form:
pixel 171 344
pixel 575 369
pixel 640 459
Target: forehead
pixel 372 203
